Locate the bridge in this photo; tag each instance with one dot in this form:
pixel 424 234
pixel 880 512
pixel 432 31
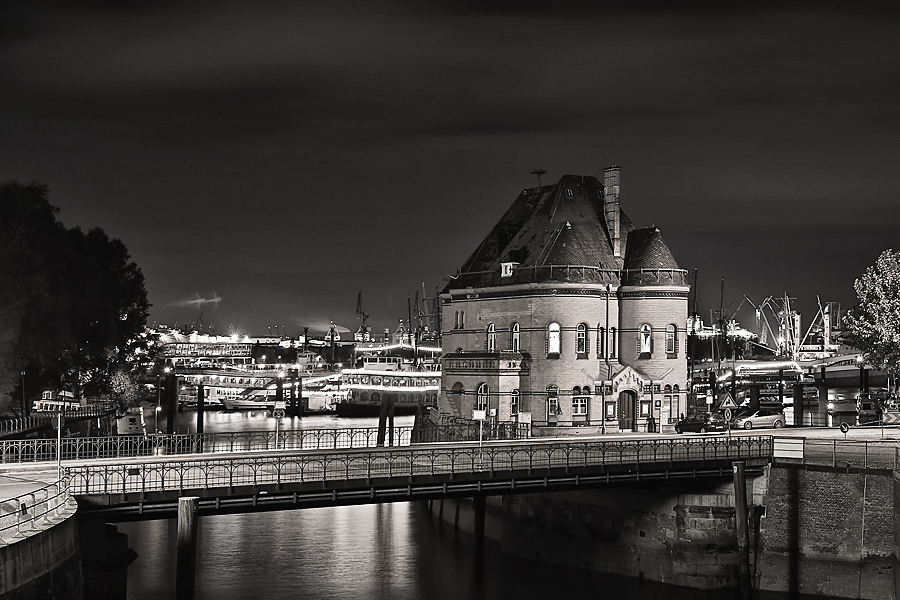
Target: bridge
pixel 148 487
pixel 154 486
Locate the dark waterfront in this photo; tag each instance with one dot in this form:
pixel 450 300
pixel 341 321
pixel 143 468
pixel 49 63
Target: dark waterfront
pixel 391 551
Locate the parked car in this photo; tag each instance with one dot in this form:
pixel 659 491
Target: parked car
pixel 759 418
pixel 701 423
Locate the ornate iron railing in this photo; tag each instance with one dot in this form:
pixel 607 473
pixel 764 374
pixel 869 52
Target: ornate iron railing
pixel 184 473
pixel 33 511
pixel 122 446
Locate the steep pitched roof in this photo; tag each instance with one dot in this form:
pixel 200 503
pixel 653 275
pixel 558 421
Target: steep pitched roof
pixel 556 226
pixel 647 251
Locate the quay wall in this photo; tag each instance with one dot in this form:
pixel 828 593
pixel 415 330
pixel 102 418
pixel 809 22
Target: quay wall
pixel 45 565
pixel 825 533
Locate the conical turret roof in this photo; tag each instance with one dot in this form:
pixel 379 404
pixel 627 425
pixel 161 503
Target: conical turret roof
pixel 552 233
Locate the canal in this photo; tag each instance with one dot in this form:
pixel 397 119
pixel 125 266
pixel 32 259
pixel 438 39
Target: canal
pixel 388 551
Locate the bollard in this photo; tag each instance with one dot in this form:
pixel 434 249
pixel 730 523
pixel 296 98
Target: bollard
pixel 187 547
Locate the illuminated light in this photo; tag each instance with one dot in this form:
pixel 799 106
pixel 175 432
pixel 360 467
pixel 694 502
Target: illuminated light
pixel 389 373
pixel 393 388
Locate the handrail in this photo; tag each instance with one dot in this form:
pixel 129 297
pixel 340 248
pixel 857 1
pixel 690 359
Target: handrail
pixel 180 473
pixel 843 454
pixel 121 446
pixel 33 511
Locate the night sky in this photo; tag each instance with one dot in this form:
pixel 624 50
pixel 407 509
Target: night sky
pixel 284 156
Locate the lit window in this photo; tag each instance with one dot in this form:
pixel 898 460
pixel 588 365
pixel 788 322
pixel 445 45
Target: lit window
pixel 491 338
pixel 553 339
pixel 645 341
pixel 514 337
pixel 671 340
pixel 481 399
pixel 581 339
pixel 514 402
pixel 579 405
pixel 553 408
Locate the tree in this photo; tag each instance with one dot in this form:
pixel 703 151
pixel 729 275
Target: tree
pixel 73 306
pixel 873 325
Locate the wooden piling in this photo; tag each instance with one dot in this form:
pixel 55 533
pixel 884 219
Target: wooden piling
pixel 187 547
pixel 478 502
pixel 742 525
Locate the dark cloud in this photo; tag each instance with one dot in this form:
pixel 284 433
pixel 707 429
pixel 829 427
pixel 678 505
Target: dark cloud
pixel 289 155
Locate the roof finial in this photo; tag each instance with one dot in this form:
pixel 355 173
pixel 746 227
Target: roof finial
pixel 539 172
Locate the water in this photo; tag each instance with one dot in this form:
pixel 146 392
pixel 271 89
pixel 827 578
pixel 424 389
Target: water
pixel 387 551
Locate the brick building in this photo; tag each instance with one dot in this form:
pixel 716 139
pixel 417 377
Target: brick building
pixel 567 315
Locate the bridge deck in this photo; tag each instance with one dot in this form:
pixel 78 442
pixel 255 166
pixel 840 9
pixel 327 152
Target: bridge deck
pixel 148 487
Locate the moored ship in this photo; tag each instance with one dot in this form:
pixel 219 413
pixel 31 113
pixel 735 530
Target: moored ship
pixel 386 376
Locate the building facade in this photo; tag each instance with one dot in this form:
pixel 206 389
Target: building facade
pixel 567 315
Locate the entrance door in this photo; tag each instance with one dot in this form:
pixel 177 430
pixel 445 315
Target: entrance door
pixel 627 408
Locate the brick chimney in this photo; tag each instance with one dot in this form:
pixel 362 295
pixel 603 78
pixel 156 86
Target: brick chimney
pixel 611 180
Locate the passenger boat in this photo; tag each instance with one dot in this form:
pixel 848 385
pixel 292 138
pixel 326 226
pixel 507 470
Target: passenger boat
pixel 383 376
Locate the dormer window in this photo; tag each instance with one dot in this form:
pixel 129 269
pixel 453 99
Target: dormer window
pixel 506 269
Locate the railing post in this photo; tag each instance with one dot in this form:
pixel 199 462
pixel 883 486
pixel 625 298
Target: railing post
pixel 833 453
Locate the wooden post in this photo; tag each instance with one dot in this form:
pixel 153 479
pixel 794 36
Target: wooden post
pixel 391 420
pixel 478 502
pixel 382 420
pixel 201 403
pixel 187 547
pixel 743 532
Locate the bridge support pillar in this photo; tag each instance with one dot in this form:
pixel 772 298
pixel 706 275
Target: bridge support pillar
pixel 478 502
pixel 743 532
pixel 187 547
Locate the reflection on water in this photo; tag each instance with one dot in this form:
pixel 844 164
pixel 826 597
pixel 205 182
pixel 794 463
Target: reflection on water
pixel 221 421
pixel 387 551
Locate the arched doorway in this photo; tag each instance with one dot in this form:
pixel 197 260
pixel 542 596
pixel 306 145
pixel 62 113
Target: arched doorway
pixel 627 410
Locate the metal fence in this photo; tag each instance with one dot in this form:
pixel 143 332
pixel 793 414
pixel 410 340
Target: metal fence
pixel 123 446
pixel 34 511
pixel 838 453
pixel 36 420
pixel 194 473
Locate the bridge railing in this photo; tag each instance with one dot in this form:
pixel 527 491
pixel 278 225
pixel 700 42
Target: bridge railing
pixel 124 446
pixel 32 511
pixel 43 419
pixel 212 472
pixel 839 453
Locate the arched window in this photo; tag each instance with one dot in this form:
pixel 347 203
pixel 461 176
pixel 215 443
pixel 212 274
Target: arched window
pixel 553 339
pixel 457 389
pixel 481 397
pixel 491 338
pixel 514 337
pixel 581 346
pixel 514 402
pixel 601 342
pixel 553 400
pixel 586 390
pixel 613 342
pixel 645 341
pixel 576 391
pixel 671 341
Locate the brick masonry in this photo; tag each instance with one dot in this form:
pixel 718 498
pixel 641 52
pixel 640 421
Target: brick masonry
pixel 824 533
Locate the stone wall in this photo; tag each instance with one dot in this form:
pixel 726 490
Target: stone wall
pixel 828 533
pixel 824 533
pixel 45 565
